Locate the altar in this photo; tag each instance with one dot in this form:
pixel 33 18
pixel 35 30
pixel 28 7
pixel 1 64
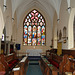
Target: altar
pixel 34 52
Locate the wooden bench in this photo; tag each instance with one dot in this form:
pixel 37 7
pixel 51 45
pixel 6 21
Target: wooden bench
pixel 70 65
pixel 47 68
pixel 58 61
pixel 8 62
pixel 21 67
pixel 55 59
pixel 74 72
pixel 63 63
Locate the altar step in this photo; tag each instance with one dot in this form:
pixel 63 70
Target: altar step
pixel 33 63
pixel 34 58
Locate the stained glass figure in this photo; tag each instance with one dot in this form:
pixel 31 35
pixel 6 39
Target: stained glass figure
pixel 39 35
pixel 25 35
pixel 43 35
pixel 29 35
pixel 34 32
pixel 34 29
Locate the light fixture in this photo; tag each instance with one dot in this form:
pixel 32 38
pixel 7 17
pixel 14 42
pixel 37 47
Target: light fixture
pixel 68 8
pixel 58 19
pixel 12 18
pixel 65 39
pixel 7 36
pixel 5 6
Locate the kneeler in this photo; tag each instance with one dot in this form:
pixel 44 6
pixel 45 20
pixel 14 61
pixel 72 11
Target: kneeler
pixel 2 73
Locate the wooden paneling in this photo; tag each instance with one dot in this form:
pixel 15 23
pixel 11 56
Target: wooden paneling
pixel 69 52
pixel 64 51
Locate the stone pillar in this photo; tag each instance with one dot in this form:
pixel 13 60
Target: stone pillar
pixel 8 47
pixel 5 48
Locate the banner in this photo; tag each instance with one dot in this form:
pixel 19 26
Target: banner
pixel 59 48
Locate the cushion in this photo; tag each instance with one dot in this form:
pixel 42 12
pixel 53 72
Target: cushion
pixel 53 63
pixel 2 73
pixel 12 63
pixel 10 66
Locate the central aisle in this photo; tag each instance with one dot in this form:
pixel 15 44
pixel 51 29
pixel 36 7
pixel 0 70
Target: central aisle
pixel 34 68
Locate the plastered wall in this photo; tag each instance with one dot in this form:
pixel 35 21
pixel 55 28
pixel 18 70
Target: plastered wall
pixel 64 18
pixel 6 21
pixel 1 18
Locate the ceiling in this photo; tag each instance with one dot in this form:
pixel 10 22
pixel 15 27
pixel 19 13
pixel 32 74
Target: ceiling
pixel 47 6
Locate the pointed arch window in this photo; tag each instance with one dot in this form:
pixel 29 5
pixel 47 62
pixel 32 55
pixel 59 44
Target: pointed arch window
pixel 34 29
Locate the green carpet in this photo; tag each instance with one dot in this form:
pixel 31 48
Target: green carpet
pixel 34 68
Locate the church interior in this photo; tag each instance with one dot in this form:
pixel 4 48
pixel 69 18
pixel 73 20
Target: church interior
pixel 37 37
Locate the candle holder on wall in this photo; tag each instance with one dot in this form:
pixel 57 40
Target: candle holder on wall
pixel 65 39
pixel 51 46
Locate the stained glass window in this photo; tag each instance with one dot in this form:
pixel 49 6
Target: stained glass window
pixel 34 29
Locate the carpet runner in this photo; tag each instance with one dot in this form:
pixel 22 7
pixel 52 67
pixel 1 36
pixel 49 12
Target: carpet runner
pixel 34 58
pixel 34 68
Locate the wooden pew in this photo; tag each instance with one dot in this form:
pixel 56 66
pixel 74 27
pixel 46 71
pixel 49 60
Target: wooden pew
pixel 47 68
pixel 74 72
pixel 21 68
pixel 3 63
pixel 70 65
pixel 55 59
pixel 58 63
pixel 2 67
pixel 8 62
pixel 63 62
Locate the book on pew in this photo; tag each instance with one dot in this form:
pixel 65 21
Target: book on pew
pixel 68 73
pixel 16 69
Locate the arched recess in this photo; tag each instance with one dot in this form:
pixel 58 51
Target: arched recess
pixel 70 29
pixel 55 31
